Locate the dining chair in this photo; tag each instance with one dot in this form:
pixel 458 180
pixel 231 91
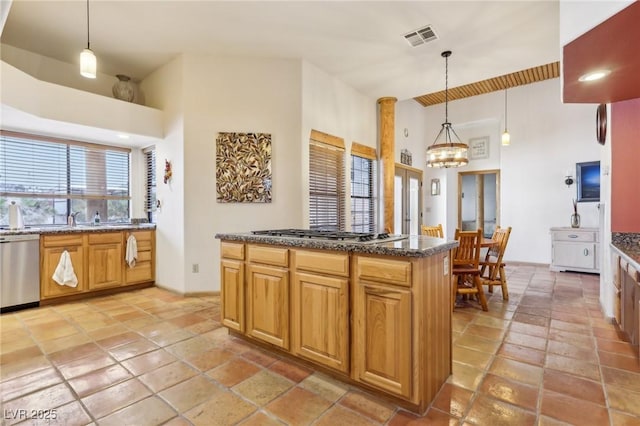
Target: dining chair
pixel 466 266
pixel 492 267
pixel 432 231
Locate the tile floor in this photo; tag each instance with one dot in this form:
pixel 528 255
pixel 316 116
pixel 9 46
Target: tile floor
pixel 149 357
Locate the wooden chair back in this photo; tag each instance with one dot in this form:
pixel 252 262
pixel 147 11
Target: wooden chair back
pixel 496 252
pixel 432 231
pixel 468 252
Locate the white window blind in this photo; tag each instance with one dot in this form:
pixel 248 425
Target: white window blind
pixel 150 183
pixel 326 184
pixel 363 189
pixel 88 176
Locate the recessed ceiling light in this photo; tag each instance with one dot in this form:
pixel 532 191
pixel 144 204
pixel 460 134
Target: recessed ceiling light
pixel 123 136
pixel 594 75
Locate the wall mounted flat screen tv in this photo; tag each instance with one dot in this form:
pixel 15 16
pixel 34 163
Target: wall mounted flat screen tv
pixel 588 177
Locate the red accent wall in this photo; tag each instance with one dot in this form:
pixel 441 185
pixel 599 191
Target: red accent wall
pixel 625 166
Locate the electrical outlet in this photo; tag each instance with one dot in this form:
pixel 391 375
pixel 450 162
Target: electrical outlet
pixel 195 268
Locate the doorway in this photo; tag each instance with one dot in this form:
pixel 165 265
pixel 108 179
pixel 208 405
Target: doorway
pixel 407 200
pixel 479 200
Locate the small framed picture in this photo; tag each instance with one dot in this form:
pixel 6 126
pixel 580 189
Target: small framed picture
pixel 435 186
pixel 479 148
pixel 588 178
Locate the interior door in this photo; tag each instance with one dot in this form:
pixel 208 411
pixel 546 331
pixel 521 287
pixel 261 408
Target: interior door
pixel 407 216
pixel 479 200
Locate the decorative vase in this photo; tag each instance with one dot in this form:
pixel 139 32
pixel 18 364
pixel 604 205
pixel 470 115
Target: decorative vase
pixel 575 220
pixel 124 89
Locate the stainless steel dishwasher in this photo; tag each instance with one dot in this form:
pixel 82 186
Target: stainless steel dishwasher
pixel 19 271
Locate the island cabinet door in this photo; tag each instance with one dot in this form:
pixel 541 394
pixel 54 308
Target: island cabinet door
pixel 320 319
pixel 105 256
pixel 232 294
pixel 382 337
pixel 268 304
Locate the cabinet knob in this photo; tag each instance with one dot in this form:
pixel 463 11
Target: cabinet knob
pixel 572 236
pixel 586 252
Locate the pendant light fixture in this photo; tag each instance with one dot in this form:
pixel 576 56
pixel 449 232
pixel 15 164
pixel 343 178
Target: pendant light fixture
pixel 87 58
pixel 444 152
pixel 506 137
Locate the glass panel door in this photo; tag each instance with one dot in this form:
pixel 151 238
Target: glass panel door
pixel 407 216
pixel 479 200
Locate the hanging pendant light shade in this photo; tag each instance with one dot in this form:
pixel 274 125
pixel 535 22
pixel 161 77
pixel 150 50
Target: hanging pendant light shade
pixel 87 58
pixel 445 150
pixel 506 137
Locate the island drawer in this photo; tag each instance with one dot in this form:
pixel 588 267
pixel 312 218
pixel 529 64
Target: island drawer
pixel 384 270
pixel 232 250
pixel 322 262
pixel 268 255
pixel 105 238
pixel 62 240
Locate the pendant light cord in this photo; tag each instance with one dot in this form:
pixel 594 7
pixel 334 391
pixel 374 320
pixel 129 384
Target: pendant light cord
pixel 88 43
pixel 446 87
pixel 505 107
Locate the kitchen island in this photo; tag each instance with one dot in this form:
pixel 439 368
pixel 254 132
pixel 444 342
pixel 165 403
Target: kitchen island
pixel 373 313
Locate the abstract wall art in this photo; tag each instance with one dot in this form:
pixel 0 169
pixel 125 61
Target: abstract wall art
pixel 243 167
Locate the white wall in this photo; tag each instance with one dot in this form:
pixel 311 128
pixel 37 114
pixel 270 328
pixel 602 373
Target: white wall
pixel 547 138
pixel 578 17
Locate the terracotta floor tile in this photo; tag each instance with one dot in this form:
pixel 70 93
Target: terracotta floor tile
pixel 262 387
pixel 24 366
pixel 510 391
pixel 28 383
pixel 531 319
pixel 453 400
pixel 465 376
pixel 108 331
pixel 149 361
pixel 44 399
pixel 522 353
pixel 488 411
pixel 621 378
pixel 212 358
pixel 193 346
pixel 534 310
pixel 259 357
pixel 623 419
pixel 471 357
pixel 572 410
pixel 189 393
pixel 576 319
pixel 369 406
pixel 571 351
pixel 433 417
pixel 99 379
pixel 55 345
pixel 478 343
pixel 20 354
pixel 309 406
pixel 573 366
pixel 529 341
pixel 167 376
pixel 132 349
pixel 486 332
pixel 572 327
pixel 516 371
pixel 119 340
pixel 491 322
pixel 529 329
pixel 149 411
pixel 203 327
pixel 233 372
pixel 574 386
pixel 259 418
pixel 183 321
pixel 622 348
pixel 78 367
pixel 576 339
pixel 295 373
pixel 338 416
pixel 115 398
pixel 170 337
pixel 223 408
pixel 607 333
pixel 622 362
pixel 328 388
pixel 623 399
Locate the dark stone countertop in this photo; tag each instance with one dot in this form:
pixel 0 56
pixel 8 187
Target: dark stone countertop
pixel 409 246
pixel 628 246
pixel 60 230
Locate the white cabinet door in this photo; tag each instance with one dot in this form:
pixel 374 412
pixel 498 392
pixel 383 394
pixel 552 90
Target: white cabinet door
pixel 576 255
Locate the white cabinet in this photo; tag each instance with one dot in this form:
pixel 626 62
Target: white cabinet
pixel 575 249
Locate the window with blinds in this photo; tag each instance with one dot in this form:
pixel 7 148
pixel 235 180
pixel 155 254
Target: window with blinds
pixel 363 188
pixel 150 183
pixel 51 178
pixel 326 182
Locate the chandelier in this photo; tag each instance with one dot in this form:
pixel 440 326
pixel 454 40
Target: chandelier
pixel 445 151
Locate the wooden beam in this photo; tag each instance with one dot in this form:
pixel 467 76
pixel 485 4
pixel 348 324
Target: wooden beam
pixel 387 156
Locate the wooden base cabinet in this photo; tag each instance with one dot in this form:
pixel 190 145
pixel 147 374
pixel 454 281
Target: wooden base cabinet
pixel 51 248
pixel 105 254
pixel 320 308
pixel 145 267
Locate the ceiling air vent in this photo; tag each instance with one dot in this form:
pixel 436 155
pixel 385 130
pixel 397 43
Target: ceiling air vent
pixel 420 36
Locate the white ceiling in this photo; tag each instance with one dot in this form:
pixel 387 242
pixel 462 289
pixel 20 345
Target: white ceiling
pixel 358 42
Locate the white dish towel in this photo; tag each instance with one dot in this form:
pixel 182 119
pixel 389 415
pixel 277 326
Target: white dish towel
pixel 132 251
pixel 64 274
